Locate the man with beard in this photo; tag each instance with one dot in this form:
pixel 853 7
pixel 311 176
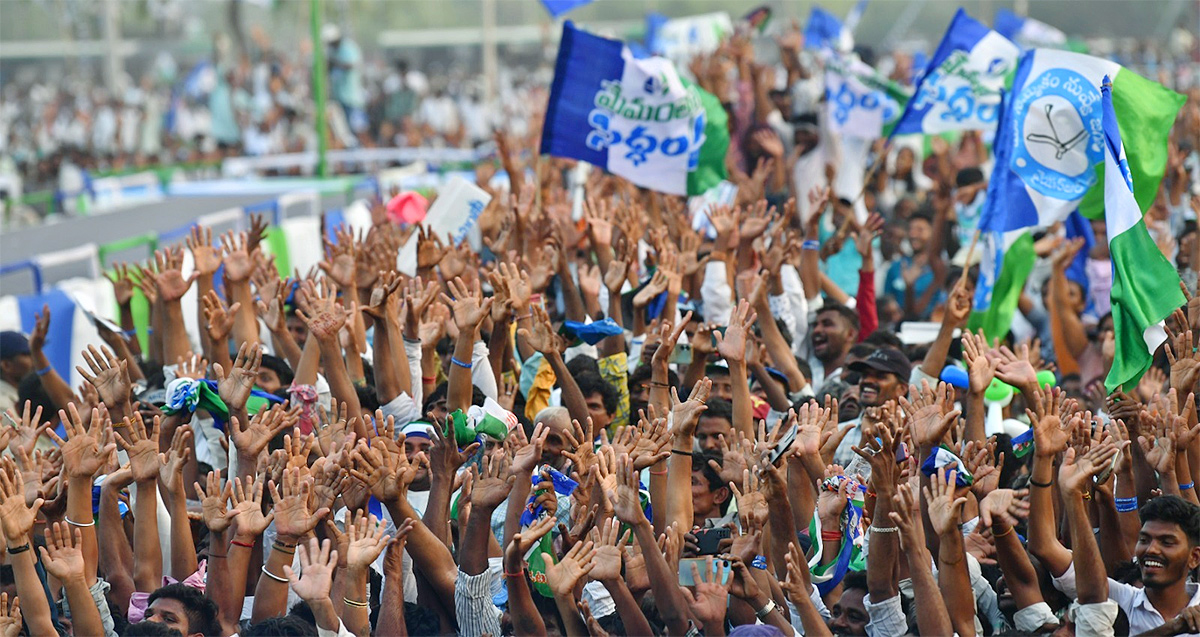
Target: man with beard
pixel 833 333
pixel 884 377
pixel 1168 549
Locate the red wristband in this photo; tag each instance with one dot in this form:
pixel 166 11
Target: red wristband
pixel 831 535
pixel 242 544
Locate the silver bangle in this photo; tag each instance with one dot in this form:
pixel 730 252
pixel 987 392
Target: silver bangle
pixel 273 576
pixel 885 529
pixel 74 523
pixel 766 610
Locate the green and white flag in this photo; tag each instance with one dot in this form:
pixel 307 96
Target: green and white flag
pixel 1145 287
pixel 861 102
pixel 1055 144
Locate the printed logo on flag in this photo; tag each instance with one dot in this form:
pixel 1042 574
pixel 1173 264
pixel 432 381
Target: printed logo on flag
pixel 1058 134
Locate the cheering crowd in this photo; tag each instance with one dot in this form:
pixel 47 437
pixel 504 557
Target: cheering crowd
pixel 618 424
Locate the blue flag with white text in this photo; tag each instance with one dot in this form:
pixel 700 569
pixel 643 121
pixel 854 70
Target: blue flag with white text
pixel 636 118
pixel 960 87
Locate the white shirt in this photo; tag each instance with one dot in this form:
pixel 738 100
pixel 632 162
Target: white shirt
pixel 1143 616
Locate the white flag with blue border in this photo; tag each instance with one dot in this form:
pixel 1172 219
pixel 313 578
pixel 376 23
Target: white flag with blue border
pixel 960 88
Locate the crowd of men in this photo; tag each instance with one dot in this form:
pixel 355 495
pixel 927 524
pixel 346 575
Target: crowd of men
pixel 620 424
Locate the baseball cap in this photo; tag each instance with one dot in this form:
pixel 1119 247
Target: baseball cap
pixel 13 344
pixel 885 359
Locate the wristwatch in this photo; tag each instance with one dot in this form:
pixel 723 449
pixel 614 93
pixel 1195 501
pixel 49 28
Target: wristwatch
pixel 766 610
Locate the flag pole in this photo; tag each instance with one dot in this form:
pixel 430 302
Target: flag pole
pixel 887 146
pixel 970 253
pixel 318 83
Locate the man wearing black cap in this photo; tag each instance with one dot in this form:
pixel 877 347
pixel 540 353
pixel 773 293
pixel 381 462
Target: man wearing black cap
pixel 883 377
pixel 15 363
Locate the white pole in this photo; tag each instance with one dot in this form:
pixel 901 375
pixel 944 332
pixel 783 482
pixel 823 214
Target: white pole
pixel 112 38
pixel 491 66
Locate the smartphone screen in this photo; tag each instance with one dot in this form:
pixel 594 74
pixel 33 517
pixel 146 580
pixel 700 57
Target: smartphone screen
pixel 686 578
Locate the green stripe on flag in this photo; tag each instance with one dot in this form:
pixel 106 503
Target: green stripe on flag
pixel 1018 263
pixel 1146 112
pixel 711 169
pixel 1145 290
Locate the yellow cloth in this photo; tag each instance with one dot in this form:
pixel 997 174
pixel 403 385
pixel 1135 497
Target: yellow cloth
pixel 538 397
pixel 615 370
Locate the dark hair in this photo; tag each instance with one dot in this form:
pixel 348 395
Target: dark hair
pixel 884 338
pixel 856 580
pixel 422 620
pixel 643 374
pixel 861 350
pixel 440 393
pixel 286 626
pixel 201 611
pixel 968 176
pixel 30 388
pixel 1174 509
pixel 593 384
pixel 280 367
pixel 583 365
pixel 850 315
pixel 715 483
pixel 152 629
pixel 924 213
pixel 719 408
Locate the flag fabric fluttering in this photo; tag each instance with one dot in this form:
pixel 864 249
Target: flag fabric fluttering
pixel 960 87
pixel 826 31
pixel 635 118
pixel 1007 254
pixel 1145 286
pixel 861 103
pixel 556 8
pixel 1028 32
pixel 1054 145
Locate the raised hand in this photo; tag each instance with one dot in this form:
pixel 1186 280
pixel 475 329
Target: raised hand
pixel 468 306
pixel 16 517
pixel 576 564
pixel 317 564
pixel 1008 505
pixel 710 597
pixel 541 337
pixel 906 515
pixel 85 451
pixel 247 510
pixel 238 257
pixel 293 518
pixel 1184 360
pixel 142 447
pixel 109 375
pixel 387 474
pixel 169 277
pixel 1016 369
pixel 63 554
pixel 930 414
pixel 526 453
pixel 627 505
pixel 320 310
pixel 980 367
pixel 1050 434
pixel 492 483
pixel 751 499
pixel 365 541
pixel 170 473
pixel 339 262
pixel 1159 448
pixel 732 344
pixel 218 320
pixel 28 428
pixel 235 388
pixel 10 616
pixel 252 438
pixel 122 282
pixel 1077 469
pixel 943 508
pixel 686 414
pixel 213 502
pixel 610 547
pixel 205 258
pixel 430 249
